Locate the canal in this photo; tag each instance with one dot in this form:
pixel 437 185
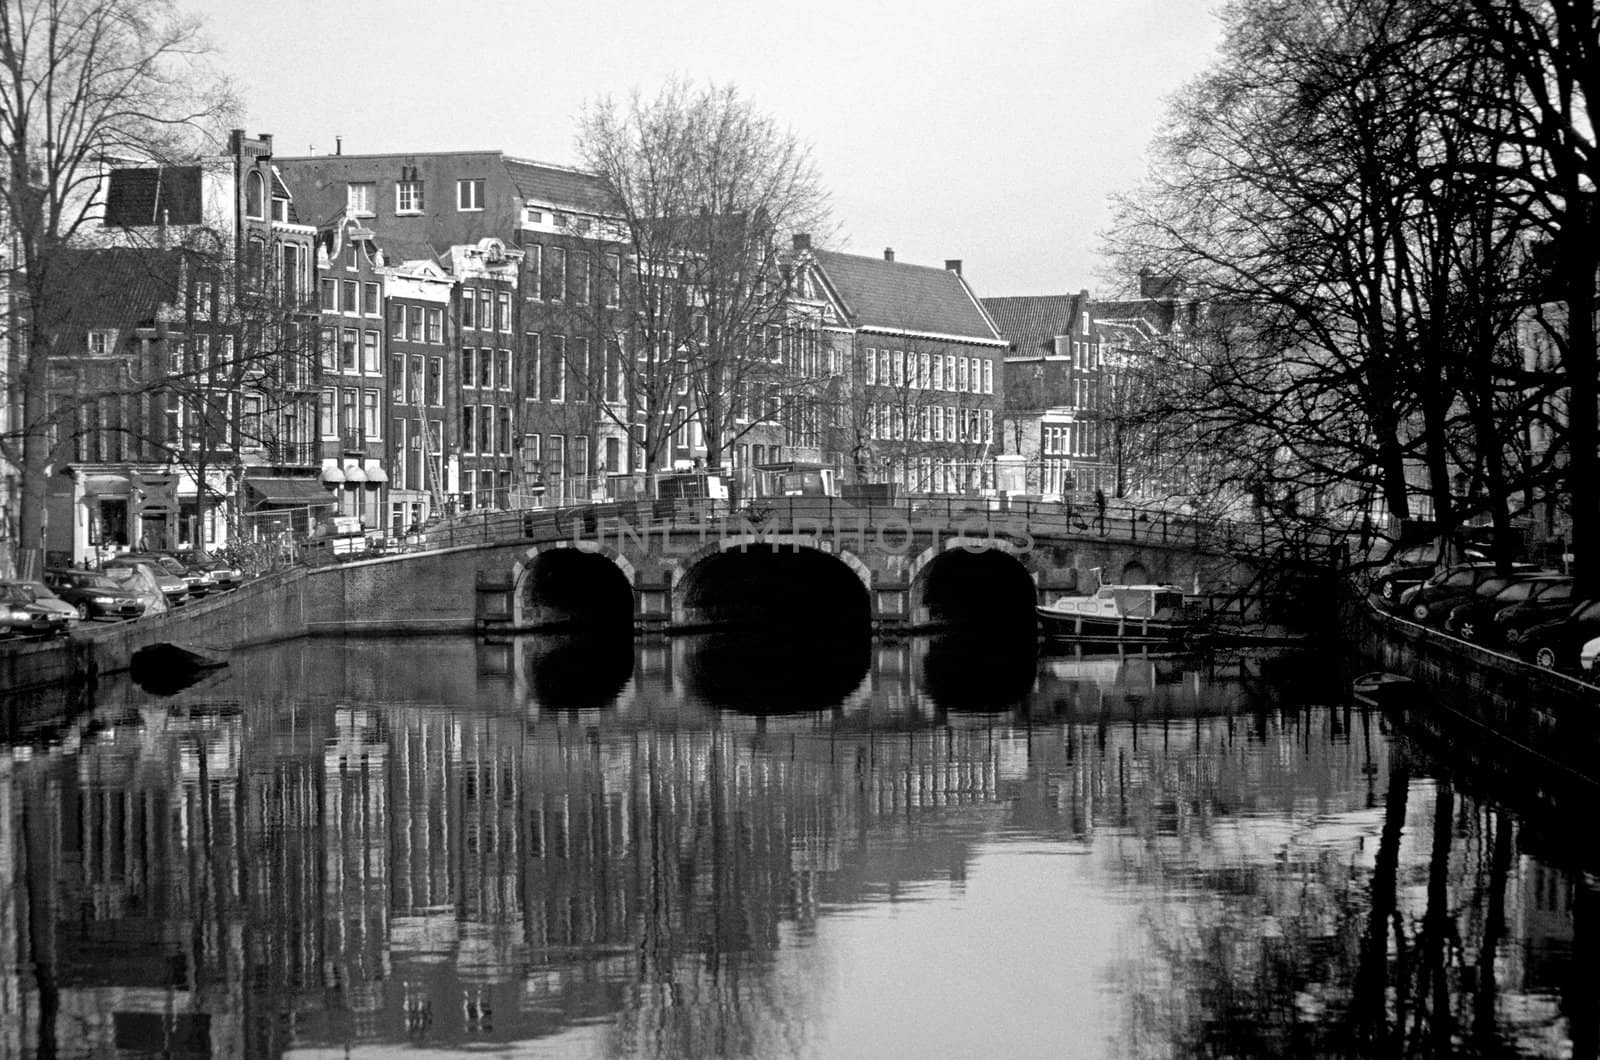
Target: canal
pixel 734 847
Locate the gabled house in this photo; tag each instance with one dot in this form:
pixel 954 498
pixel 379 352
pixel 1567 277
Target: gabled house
pixel 1053 392
pixel 925 368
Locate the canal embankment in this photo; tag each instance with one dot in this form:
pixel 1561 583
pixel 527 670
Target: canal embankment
pixel 1542 724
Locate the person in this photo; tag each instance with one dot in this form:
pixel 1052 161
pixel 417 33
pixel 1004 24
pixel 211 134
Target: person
pixel 1100 508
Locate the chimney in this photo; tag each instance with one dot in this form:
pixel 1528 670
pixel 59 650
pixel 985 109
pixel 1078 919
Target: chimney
pixel 802 241
pixel 888 253
pixel 952 265
pixel 338 145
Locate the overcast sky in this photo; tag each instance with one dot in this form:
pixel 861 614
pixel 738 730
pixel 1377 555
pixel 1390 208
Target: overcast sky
pixel 987 131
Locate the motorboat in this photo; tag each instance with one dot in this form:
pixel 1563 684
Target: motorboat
pixel 1118 614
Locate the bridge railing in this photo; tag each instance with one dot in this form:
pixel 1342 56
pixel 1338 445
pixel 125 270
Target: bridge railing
pixel 972 515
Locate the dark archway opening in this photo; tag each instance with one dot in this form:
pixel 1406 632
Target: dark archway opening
pixel 565 588
pixel 770 587
pixel 988 590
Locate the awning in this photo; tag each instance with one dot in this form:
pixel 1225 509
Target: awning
pixel 287 492
pixel 332 475
pixel 376 474
pixel 353 475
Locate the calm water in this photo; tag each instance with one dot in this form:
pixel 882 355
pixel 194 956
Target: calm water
pixel 726 848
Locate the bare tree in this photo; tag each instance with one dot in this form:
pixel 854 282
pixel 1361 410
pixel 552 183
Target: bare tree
pixel 705 190
pixel 80 81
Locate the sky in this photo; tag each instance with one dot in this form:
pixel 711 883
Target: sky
pixel 993 132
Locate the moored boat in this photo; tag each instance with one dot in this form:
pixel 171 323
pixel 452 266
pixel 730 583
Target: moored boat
pixel 1118 614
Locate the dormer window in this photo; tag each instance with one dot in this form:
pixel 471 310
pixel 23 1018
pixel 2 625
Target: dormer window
pixel 469 194
pixel 101 341
pixel 535 216
pixel 280 210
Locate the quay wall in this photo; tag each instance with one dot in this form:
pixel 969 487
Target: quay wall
pixel 1490 699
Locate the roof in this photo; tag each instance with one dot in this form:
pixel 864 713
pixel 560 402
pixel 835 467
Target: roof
pixel 110 287
pixel 1031 323
pixel 541 182
pixel 898 296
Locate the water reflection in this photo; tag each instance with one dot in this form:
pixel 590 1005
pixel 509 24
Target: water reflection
pixel 577 672
pixel 360 856
pixel 773 673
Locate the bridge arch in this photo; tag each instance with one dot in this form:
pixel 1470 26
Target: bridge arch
pixel 956 583
pixel 573 584
pixel 771 580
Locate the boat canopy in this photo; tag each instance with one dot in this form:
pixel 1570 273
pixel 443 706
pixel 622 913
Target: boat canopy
pixel 1148 601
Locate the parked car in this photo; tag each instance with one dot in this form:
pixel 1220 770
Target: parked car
pixel 198 582
pixel 26 618
pixel 223 574
pixel 1589 658
pixel 1404 568
pixel 46 597
pixel 1549 600
pixel 94 594
pixel 139 579
pixel 1474 619
pixel 1431 601
pixel 174 588
pixel 1555 644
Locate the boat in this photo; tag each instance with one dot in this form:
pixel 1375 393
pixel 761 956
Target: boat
pixel 1118 614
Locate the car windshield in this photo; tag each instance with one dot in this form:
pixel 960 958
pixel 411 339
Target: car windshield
pixel 1492 586
pixel 1550 592
pixel 12 593
pixel 1516 591
pixel 93 581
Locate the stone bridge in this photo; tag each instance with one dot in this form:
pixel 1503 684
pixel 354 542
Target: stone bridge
pixel 827 564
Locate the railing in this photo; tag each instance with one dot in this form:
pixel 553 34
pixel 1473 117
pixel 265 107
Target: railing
pixel 971 515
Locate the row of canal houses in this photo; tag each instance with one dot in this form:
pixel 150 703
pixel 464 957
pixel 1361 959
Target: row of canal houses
pixel 258 341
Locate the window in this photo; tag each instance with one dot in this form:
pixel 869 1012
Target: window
pixel 504 430
pixel 872 365
pixel 533 260
pixel 613 455
pixel 988 376
pixel 469 307
pixel 585 280
pixel 329 348
pixel 502 311
pixel 558 368
pixel 580 369
pixel 359 199
pixel 419 371
pixel 369 352
pixel 486 368
pixel 369 299
pixel 613 280
pixel 397 378
pixel 938 372
pixel 922 370
pixel 503 368
pixel 352 297
pixel 255 196
pixel 468 421
pixel 469 194
pixel 555 458
pixel 325 419
pixel 486 429
pixel 961 373
pixel 408 196
pixel 397 320
pixel 469 370
pixel 558 274
pixel 468 494
pixel 414 323
pixel 436 380
pixel 100 342
pixel 369 415
pixel 530 346
pixel 347 411
pixel 330 295
pixel 436 325
pixel 580 456
pixel 347 350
